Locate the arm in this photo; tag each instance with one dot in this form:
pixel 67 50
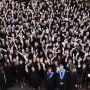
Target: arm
pixel 45 52
pixel 34 56
pixel 26 67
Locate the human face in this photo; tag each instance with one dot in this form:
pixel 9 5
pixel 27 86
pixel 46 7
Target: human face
pixel 61 68
pixel 30 61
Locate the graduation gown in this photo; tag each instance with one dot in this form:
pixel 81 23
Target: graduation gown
pixel 20 72
pixel 2 80
pixel 34 79
pixel 62 83
pixel 84 73
pixel 9 76
pixel 50 81
pixel 73 80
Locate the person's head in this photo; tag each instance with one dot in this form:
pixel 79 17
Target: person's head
pixel 30 61
pixel 49 69
pixel 36 44
pixel 7 43
pixel 73 68
pixel 56 62
pixel 69 61
pixel 67 52
pixel 79 59
pixel 43 41
pixel 61 67
pixel 21 62
pixel 59 57
pixel 50 55
pixel 17 62
pixel 46 62
pixel 87 48
pixel 38 59
pixel 88 57
pixel 41 53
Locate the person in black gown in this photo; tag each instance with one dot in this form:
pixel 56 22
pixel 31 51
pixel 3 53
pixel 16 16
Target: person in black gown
pixel 50 79
pixel 74 79
pixel 62 78
pixel 9 74
pixel 21 73
pixel 34 78
pixel 84 74
pixel 2 78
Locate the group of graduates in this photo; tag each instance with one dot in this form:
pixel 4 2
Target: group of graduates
pixel 45 42
pixel 37 74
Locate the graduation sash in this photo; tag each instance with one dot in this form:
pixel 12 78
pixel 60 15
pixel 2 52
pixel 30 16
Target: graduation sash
pixel 50 74
pixel 61 74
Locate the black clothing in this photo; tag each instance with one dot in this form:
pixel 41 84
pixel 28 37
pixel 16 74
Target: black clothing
pixel 50 81
pixel 84 74
pixel 9 76
pixel 20 72
pixel 2 79
pixel 73 80
pixel 34 79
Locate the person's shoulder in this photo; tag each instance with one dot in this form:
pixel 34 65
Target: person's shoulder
pixel 66 72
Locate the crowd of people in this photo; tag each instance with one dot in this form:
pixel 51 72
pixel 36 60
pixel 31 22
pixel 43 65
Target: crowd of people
pixel 40 39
